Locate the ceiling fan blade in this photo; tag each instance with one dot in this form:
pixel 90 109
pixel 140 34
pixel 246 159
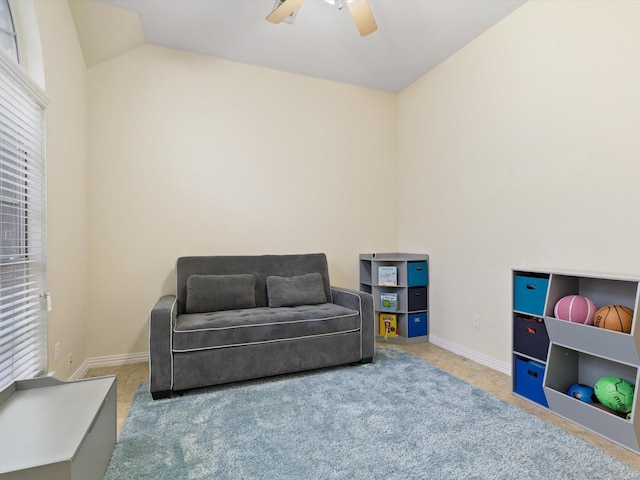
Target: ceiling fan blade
pixel 363 17
pixel 286 8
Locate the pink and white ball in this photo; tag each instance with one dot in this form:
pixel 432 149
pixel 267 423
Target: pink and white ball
pixel 576 309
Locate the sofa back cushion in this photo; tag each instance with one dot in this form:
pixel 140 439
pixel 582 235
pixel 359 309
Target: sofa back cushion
pixel 260 266
pixel 212 293
pixel 294 291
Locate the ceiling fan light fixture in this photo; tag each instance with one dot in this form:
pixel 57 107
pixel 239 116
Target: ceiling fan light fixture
pixel 340 3
pixel 359 9
pixel 284 11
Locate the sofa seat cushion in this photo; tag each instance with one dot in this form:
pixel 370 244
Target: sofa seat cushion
pixel 200 331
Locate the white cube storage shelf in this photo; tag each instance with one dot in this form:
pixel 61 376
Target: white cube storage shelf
pixel 579 353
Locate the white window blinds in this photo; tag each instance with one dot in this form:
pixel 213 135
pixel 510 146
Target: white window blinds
pixel 23 329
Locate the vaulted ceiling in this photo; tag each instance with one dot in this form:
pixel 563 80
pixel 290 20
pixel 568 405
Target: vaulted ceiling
pixel 413 36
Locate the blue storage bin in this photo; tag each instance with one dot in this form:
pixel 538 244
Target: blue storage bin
pixel 417 325
pixel 417 298
pixel 530 337
pixel 529 294
pixel 528 382
pixel 417 274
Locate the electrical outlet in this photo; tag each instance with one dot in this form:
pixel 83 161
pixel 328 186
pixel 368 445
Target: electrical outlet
pixel 56 352
pixel 476 320
pixel 69 361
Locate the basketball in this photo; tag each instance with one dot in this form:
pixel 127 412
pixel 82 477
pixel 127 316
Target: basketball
pixel 576 309
pixel 614 317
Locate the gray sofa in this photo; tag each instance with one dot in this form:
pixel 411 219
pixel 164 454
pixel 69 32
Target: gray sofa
pixel 237 318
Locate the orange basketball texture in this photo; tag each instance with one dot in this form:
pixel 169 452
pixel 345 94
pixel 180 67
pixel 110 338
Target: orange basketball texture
pixel 614 317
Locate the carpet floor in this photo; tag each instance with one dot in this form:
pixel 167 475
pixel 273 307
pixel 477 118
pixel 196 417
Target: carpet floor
pixel 396 418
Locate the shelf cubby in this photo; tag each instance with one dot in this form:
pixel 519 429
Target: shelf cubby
pixel 566 367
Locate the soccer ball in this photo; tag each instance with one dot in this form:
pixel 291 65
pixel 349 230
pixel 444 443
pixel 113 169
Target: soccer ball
pixel 581 392
pixel 615 393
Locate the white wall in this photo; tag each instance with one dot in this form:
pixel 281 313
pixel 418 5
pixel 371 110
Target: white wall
pixel 522 151
pixel 66 137
pixel 192 155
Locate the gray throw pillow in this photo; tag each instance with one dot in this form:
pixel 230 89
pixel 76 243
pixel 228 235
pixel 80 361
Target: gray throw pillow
pixel 298 290
pixel 211 293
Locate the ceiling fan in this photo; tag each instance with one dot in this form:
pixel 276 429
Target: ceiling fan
pixel 359 9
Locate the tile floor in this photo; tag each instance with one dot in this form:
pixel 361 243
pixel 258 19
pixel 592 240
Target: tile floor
pixel 496 383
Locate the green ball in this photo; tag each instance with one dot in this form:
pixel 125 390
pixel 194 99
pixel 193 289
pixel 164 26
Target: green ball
pixel 615 393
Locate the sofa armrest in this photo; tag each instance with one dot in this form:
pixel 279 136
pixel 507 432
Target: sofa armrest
pixel 363 303
pixel 162 319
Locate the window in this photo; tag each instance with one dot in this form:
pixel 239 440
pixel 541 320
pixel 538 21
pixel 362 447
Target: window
pixel 8 37
pixel 23 340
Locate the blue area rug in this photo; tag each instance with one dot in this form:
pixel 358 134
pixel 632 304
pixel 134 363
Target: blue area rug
pixel 397 418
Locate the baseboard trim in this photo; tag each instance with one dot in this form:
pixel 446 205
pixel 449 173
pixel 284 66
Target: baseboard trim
pixel 471 355
pixel 109 361
pixel 125 359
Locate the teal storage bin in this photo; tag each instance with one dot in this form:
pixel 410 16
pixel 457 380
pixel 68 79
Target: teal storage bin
pixel 530 294
pixel 529 376
pixel 417 274
pixel 417 325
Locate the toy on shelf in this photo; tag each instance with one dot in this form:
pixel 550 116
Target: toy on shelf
pixel 576 309
pixel 615 393
pixel 614 317
pixel 581 392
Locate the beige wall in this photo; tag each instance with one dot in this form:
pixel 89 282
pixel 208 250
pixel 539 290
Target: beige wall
pixel 66 120
pixel 522 151
pixel 192 155
pixel 519 151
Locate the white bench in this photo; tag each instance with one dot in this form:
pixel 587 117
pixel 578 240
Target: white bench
pixel 55 430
